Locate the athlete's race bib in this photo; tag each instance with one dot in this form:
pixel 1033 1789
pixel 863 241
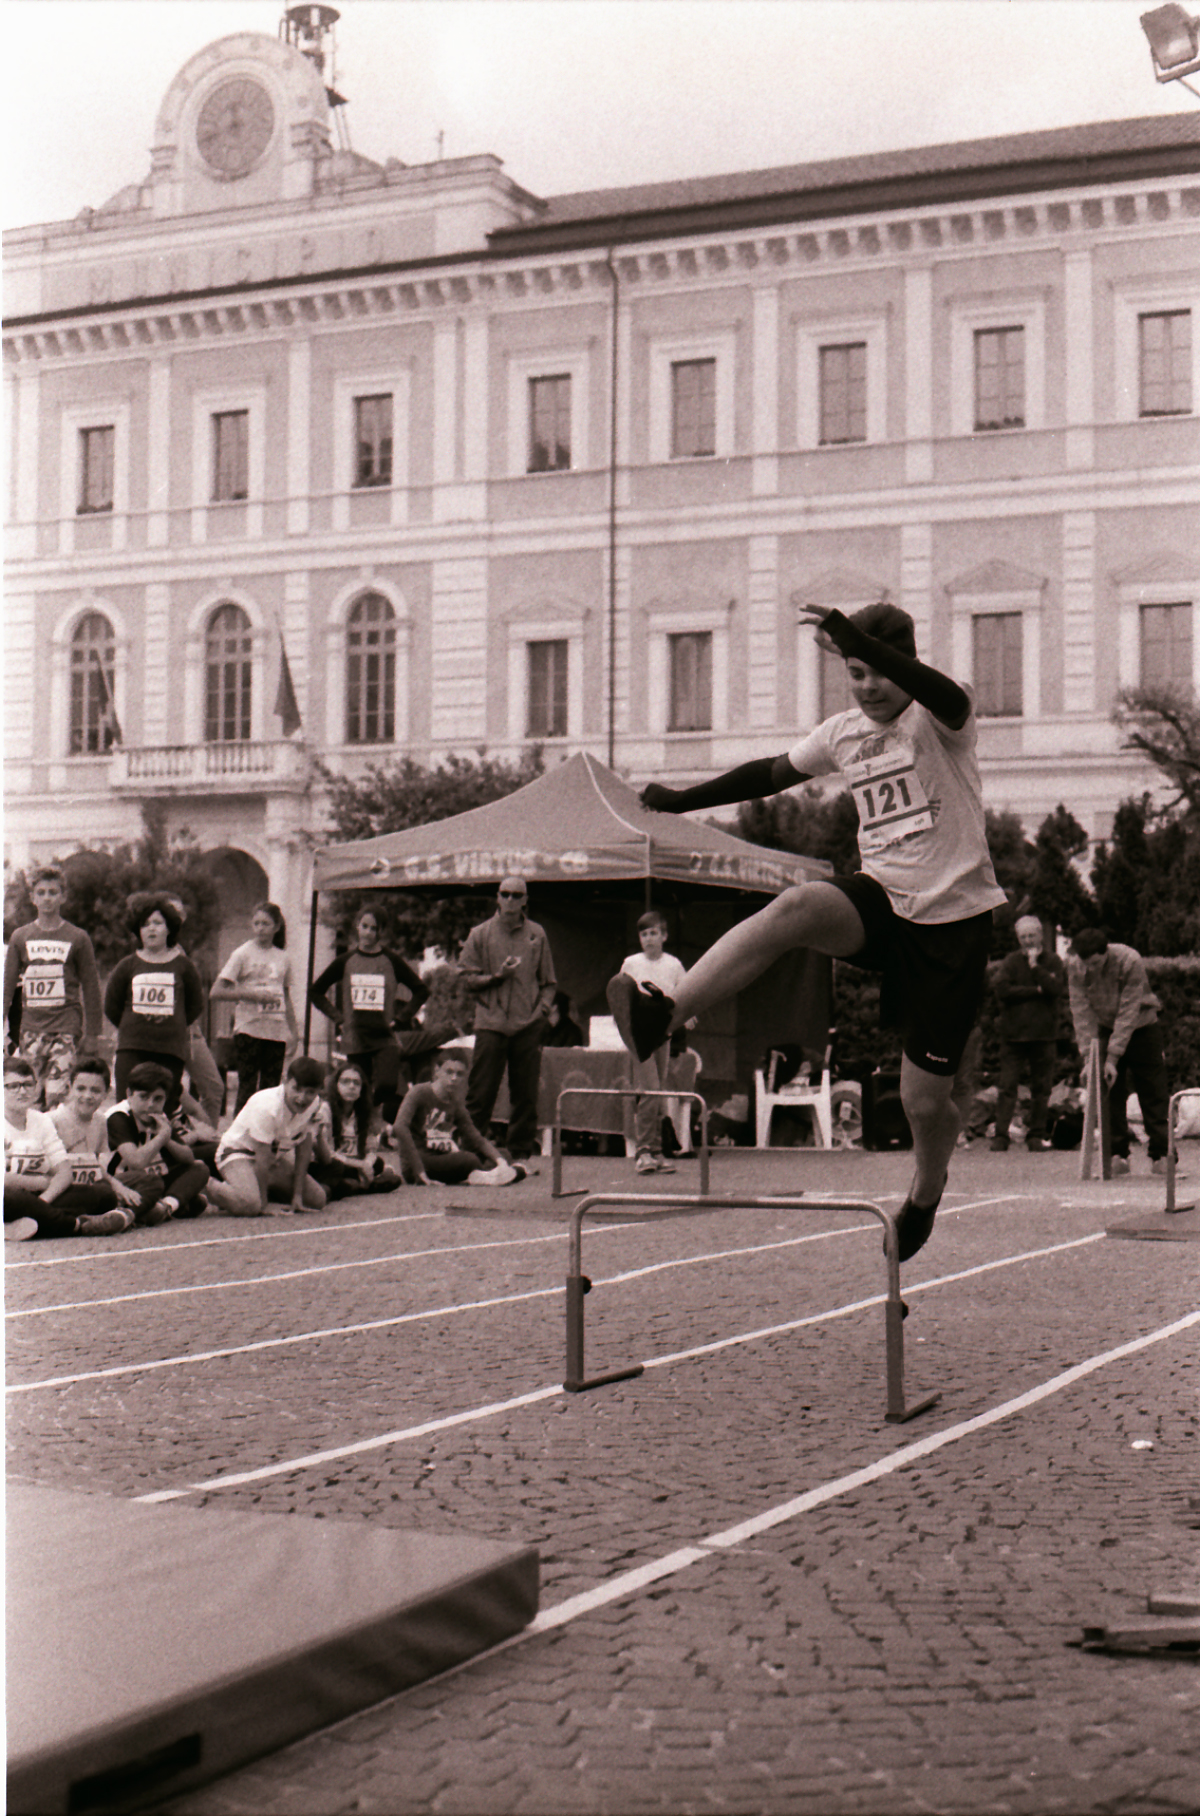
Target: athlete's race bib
pixel 368 992
pixel 152 994
pixel 439 1134
pixel 45 986
pixel 26 1165
pixel 890 799
pixel 86 1170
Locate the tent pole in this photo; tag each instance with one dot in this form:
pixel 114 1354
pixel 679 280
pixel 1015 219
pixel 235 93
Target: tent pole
pixel 612 514
pixel 308 982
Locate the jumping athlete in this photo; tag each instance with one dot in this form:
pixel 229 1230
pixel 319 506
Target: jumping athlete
pixel 920 910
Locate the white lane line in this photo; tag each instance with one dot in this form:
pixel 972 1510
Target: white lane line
pixel 630 1581
pixel 333 1267
pixel 471 1415
pixel 498 1302
pixel 319 1459
pixel 160 1250
pixel 298 1273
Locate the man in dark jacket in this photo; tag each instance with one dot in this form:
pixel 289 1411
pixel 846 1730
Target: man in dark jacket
pixel 1029 986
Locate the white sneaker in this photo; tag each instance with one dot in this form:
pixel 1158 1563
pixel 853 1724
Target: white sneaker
pixel 646 1163
pixel 501 1175
pixel 21 1229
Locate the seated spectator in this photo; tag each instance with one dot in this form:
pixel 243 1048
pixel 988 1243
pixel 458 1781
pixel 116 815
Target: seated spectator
pixel 82 1124
pixel 438 1142
pixel 561 1029
pixel 268 1147
pixel 40 1198
pixel 348 1161
pixel 147 1154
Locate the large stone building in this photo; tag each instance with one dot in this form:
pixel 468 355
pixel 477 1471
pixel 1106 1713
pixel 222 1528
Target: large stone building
pixel 491 468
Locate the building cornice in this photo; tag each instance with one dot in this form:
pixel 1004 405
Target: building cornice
pixel 496 279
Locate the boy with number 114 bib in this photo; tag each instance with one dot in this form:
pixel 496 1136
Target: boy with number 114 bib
pixel 920 910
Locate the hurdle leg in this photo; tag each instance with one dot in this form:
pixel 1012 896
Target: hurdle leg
pixel 893 1314
pixel 1105 1107
pixel 1091 1108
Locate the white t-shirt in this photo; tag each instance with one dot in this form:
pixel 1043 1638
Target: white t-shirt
pixel 262 967
pixel 86 1143
pixel 266 1119
pixel 920 807
pixel 31 1154
pixel 667 972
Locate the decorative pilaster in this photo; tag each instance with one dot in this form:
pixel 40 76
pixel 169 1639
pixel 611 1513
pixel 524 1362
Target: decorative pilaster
pixel 160 688
pixel 299 480
pixel 765 409
pixel 918 374
pixel 1079 611
pixel 762 688
pixel 458 686
pixel 1079 334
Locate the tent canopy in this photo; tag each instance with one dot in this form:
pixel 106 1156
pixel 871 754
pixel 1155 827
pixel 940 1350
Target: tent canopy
pixel 577 823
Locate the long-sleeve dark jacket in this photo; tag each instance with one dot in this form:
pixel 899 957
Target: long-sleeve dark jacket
pixel 1029 996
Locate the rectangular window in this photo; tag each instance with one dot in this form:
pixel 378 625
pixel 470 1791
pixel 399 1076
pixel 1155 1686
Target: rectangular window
pixel 549 424
pixel 843 393
pixel 231 455
pixel 1166 637
pixel 1165 363
pixel 691 681
pixel 693 408
pixel 547 715
pixel 96 452
pixel 997 637
pixel 1000 378
pixel 373 440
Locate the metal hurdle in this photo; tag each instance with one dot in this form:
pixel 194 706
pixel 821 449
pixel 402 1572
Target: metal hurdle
pixel 556 1187
pixel 1173 1151
pixel 649 1205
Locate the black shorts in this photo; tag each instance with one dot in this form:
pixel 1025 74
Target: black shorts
pixel 933 974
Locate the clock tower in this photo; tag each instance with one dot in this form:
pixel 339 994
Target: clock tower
pixel 246 121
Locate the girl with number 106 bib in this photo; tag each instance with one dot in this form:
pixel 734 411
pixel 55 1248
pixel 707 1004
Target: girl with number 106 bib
pixel 919 911
pixel 153 997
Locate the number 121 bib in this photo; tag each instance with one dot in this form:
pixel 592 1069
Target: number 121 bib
pixel 890 799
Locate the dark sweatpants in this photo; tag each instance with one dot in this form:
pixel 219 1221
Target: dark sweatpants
pixel 57 1218
pixel 522 1054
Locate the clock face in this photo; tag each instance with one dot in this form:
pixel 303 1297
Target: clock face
pixel 234 126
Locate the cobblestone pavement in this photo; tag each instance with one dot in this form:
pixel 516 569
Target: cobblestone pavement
pixel 899 1641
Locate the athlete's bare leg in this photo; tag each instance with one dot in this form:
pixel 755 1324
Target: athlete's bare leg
pixel 935 1123
pixel 816 915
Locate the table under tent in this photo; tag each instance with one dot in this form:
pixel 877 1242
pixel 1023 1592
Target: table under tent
pixel 595 859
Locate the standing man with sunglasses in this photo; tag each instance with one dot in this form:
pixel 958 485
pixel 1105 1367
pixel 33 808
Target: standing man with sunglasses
pixel 507 967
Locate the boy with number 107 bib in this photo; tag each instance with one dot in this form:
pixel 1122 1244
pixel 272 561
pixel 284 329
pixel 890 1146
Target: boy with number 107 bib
pixel 920 910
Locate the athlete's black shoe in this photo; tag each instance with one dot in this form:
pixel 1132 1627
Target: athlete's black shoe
pixel 914 1225
pixel 642 1014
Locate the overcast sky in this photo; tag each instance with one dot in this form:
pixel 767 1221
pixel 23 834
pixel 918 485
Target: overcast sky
pixel 584 94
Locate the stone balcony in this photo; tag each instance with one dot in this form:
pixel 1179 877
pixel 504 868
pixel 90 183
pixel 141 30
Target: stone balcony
pixel 250 766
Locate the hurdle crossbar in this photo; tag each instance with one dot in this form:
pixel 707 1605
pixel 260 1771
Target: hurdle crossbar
pixel 556 1187
pixel 649 1206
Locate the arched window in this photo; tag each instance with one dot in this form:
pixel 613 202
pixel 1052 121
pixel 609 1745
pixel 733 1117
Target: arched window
pixel 371 671
pixel 93 658
pixel 227 652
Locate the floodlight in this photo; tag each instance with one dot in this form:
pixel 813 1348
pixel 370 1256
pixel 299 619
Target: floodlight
pixel 1174 42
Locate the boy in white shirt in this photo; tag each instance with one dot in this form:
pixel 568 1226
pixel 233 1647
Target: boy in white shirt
pixel 268 1147
pixel 663 971
pixel 81 1123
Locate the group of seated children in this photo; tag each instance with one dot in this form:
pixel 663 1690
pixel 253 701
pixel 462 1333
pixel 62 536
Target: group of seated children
pixel 83 1171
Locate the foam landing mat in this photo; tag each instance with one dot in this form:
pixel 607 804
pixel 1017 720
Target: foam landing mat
pixel 153 1648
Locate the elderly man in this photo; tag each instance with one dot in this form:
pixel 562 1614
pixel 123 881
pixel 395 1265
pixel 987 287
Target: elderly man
pixel 1028 987
pixel 507 967
pixel 1111 1000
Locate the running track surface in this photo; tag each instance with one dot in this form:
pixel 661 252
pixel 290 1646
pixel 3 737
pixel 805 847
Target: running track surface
pixel 755 1594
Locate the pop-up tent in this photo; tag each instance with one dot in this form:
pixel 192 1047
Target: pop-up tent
pixel 594 859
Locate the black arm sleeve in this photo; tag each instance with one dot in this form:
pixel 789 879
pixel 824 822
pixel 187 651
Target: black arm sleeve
pixel 748 782
pixel 936 692
pixel 332 974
